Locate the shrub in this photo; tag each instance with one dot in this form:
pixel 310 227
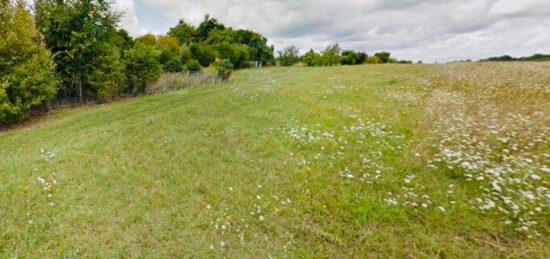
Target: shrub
pixel 224 69
pixel 142 65
pixel 204 54
pixel 362 57
pixel 173 65
pixel 384 57
pixel 311 59
pixel 350 57
pixel 237 54
pixel 289 56
pixel 193 66
pixel 331 55
pixel 373 60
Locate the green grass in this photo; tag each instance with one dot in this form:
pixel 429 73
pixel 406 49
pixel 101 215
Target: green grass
pixel 162 176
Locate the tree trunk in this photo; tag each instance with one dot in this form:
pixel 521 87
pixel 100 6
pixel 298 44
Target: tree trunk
pixel 80 90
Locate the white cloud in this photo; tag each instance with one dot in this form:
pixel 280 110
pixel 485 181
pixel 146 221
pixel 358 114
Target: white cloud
pixel 129 20
pixel 412 29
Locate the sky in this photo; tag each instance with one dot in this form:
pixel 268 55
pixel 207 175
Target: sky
pixel 427 30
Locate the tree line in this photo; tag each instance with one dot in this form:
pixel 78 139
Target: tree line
pixel 72 51
pixel 333 55
pixel 535 57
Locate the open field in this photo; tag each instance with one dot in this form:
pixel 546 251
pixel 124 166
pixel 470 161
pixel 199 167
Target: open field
pixel 376 160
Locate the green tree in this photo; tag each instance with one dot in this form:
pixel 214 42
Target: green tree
pixel 207 25
pixel 362 57
pixel 384 57
pixel 311 59
pixel 219 36
pixel 170 54
pixel 331 55
pixel 236 54
pixel 289 56
pixel 171 63
pixel 374 60
pixel 257 45
pixel 204 54
pixel 82 36
pixel 184 32
pixel 142 66
pixel 350 57
pixel 193 66
pixel 148 39
pixel 122 40
pixel 27 76
pixel 106 78
pixel 212 40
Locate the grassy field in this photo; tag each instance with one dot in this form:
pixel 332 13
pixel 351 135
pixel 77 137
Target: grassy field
pixel 364 161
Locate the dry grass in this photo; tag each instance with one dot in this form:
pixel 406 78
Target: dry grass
pixel 177 81
pixel 491 123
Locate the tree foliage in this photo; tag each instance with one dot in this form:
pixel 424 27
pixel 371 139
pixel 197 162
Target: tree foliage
pixel 331 55
pixel 289 56
pixel 383 57
pixel 206 26
pixel 350 57
pixel 142 66
pixel 311 59
pixel 184 32
pixel 535 57
pixel 212 40
pixel 193 66
pixel 27 78
pixel 83 37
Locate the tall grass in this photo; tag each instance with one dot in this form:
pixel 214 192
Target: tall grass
pixel 176 81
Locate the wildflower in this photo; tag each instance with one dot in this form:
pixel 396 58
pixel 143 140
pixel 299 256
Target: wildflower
pixel 41 180
pixel 391 201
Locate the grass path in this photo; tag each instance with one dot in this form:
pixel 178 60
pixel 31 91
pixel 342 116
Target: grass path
pixel 280 162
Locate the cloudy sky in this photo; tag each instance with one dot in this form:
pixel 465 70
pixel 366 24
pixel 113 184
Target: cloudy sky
pixel 428 30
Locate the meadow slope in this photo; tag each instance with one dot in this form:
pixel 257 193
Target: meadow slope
pixel 375 160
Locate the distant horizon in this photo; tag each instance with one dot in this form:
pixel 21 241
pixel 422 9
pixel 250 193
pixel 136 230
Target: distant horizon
pixel 427 30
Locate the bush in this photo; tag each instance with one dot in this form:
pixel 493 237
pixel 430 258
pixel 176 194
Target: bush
pixel 311 59
pixel 289 56
pixel 224 69
pixel 373 60
pixel 193 66
pixel 173 65
pixel 350 57
pixel 331 55
pixel 204 54
pixel 384 57
pixel 237 54
pixel 142 66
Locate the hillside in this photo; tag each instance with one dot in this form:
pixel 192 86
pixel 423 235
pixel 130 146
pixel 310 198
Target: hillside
pixel 348 161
